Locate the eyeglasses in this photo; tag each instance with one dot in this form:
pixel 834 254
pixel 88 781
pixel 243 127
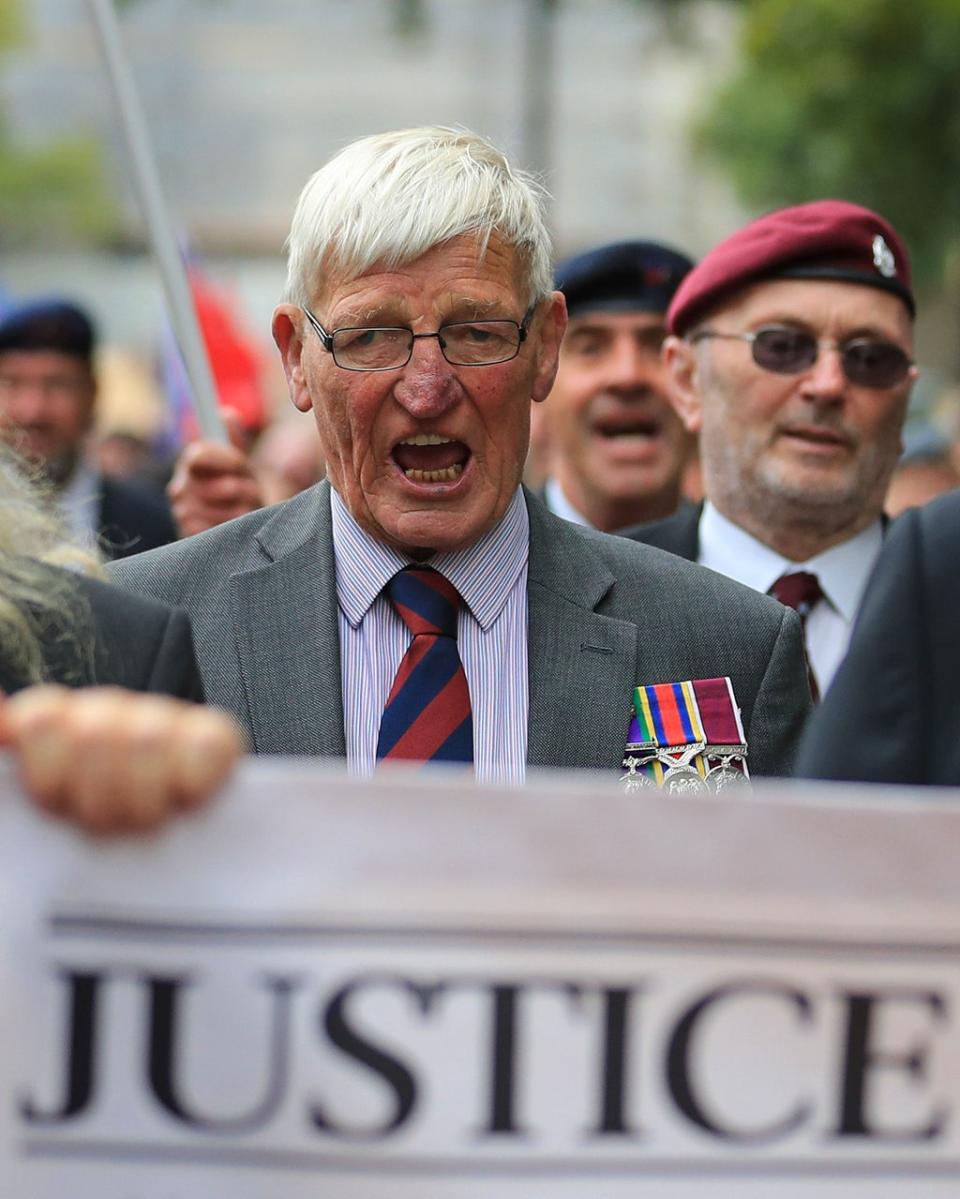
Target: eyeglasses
pixel 463 343
pixel 866 361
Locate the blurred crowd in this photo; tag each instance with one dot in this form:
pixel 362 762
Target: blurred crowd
pixel 750 413
pixel 71 403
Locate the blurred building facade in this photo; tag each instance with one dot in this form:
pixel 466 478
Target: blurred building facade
pixel 245 99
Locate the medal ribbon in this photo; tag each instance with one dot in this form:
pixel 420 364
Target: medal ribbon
pixel 672 716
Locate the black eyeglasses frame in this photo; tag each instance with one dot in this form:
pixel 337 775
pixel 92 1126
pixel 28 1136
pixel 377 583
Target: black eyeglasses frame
pixel 326 339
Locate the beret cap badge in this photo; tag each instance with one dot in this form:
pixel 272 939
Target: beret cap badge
pixel 830 240
pixel 883 258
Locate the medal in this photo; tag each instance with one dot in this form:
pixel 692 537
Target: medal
pixel 685 738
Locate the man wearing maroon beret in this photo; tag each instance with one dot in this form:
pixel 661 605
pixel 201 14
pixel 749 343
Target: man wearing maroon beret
pixel 791 354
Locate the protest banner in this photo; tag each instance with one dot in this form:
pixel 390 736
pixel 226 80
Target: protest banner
pixel 416 987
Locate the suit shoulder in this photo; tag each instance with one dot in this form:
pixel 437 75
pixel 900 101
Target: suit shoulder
pixel 110 604
pixel 133 518
pixel 679 533
pixel 139 642
pixel 670 581
pixel 132 496
pixel 177 572
pixel 927 540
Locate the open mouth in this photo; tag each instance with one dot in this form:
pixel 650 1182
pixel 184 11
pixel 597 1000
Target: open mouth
pixel 632 427
pixel 431 458
pixel 815 436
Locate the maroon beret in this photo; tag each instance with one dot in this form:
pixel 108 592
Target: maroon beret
pixel 827 239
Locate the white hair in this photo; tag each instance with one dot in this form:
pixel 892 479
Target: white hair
pixel 392 197
pixel 41 610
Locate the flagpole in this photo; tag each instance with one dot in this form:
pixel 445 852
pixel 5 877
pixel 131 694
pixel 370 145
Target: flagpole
pixel 173 271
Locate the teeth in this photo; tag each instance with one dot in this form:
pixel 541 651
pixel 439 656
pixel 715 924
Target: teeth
pixel 448 475
pixel 427 439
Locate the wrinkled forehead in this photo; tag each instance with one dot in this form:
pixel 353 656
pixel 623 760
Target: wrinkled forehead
pixel 829 308
pixel 460 263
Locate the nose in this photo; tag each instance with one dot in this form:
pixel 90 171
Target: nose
pixel 825 381
pixel 628 365
pixel 28 404
pixel 428 385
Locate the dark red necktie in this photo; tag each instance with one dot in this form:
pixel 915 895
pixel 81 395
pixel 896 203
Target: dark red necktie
pixel 427 717
pixel 800 591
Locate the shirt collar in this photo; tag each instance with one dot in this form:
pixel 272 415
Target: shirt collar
pixel 559 505
pixel 843 569
pixel 484 573
pixel 79 500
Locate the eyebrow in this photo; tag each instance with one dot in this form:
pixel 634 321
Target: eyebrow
pixel 863 330
pixel 586 326
pixel 469 307
pixel 389 313
pixel 392 313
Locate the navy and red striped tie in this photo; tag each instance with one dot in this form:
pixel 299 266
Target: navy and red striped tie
pixel 800 590
pixel 428 717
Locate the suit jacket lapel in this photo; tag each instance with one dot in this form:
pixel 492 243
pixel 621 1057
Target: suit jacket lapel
pixel 581 663
pixel 285 620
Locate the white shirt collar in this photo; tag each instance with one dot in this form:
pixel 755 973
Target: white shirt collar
pixel 79 501
pixel 483 573
pixel 559 505
pixel 843 570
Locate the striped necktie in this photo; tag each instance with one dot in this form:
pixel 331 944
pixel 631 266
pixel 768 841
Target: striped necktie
pixel 428 715
pixel 800 590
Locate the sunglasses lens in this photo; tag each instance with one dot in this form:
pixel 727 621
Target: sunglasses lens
pixel 867 361
pixel 786 351
pixel 870 363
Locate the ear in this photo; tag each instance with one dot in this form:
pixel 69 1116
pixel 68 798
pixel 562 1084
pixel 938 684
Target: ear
pixel 552 325
pixel 683 381
pixel 287 333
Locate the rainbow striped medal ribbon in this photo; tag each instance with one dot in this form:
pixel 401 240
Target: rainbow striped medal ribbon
pixel 685 738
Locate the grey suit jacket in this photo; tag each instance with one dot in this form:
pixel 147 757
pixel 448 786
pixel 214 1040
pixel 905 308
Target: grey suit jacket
pixel 604 616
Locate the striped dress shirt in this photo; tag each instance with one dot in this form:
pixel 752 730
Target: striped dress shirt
pixel 491 577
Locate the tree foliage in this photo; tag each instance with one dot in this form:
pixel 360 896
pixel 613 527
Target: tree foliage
pixel 858 99
pixel 56 191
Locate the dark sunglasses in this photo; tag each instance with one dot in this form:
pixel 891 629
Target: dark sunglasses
pixel 866 361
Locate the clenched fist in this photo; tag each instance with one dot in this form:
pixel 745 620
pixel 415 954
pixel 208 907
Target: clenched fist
pixel 111 760
pixel 213 483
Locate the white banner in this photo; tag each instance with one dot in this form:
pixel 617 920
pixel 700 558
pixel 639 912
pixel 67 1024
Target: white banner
pixel 326 987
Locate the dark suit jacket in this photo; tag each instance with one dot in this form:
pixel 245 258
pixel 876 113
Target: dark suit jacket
pixel 678 534
pixel 133 642
pixel 684 507
pixel 892 713
pixel 604 615
pixel 132 519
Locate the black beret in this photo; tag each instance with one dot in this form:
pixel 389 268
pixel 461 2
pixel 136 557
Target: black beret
pixel 48 325
pixel 639 276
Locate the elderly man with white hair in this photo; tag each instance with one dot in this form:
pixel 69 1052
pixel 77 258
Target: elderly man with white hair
pixel 420 604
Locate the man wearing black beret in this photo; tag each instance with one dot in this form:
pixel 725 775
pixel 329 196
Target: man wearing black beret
pixel 615 447
pixel 791 355
pixel 47 395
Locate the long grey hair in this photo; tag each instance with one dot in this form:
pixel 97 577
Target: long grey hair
pixel 43 613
